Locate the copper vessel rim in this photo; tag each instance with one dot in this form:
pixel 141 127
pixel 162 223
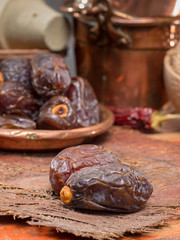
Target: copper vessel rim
pixel 121 18
pixel 73 132
pixel 148 21
pixel 54 139
pixel 140 21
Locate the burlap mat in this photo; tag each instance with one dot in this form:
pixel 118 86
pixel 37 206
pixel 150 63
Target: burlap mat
pixel 25 190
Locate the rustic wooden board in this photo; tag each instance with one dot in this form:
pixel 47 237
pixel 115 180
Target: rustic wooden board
pixel 25 190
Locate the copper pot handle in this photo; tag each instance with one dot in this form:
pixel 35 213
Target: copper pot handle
pixel 103 32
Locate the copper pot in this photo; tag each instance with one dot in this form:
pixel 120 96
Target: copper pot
pixel 122 55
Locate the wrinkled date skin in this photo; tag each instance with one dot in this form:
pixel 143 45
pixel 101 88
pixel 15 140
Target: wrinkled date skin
pixel 16 122
pixel 57 113
pixel 17 70
pixel 72 159
pixel 50 75
pixel 17 99
pixel 84 102
pixel 114 187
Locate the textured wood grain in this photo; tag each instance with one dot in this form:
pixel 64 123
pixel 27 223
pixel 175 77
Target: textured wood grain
pixel 25 190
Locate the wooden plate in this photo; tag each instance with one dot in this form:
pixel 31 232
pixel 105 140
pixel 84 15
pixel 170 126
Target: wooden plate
pixel 17 139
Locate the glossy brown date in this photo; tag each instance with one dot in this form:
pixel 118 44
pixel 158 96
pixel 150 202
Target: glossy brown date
pixel 84 102
pixel 57 114
pixel 72 159
pixel 16 122
pixel 50 75
pixel 17 99
pixel 17 70
pixel 114 187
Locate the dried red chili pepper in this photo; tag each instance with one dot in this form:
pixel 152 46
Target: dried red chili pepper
pixel 144 119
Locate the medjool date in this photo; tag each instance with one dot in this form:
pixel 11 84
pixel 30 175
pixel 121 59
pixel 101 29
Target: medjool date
pixel 17 99
pixel 72 159
pixel 84 102
pixel 17 70
pixel 113 187
pixel 56 113
pixel 16 122
pixel 50 75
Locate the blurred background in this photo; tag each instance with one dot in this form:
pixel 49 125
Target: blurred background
pixel 70 57
pixel 117 45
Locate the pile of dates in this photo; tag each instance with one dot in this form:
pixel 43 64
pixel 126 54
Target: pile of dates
pixel 41 94
pixel 93 177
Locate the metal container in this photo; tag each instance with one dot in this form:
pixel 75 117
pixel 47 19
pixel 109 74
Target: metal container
pixel 121 54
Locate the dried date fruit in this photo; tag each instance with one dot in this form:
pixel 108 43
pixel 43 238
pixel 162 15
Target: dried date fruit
pixel 84 102
pixel 114 187
pixel 17 99
pixel 17 70
pixel 72 159
pixel 16 122
pixel 50 75
pixel 57 113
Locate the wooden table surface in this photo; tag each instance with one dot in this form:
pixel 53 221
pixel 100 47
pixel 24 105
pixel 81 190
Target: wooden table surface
pixel 12 229
pixel 17 229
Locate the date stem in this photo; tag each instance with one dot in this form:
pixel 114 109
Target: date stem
pixel 66 195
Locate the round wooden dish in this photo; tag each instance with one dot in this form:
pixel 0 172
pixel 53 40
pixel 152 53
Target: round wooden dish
pixel 17 139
